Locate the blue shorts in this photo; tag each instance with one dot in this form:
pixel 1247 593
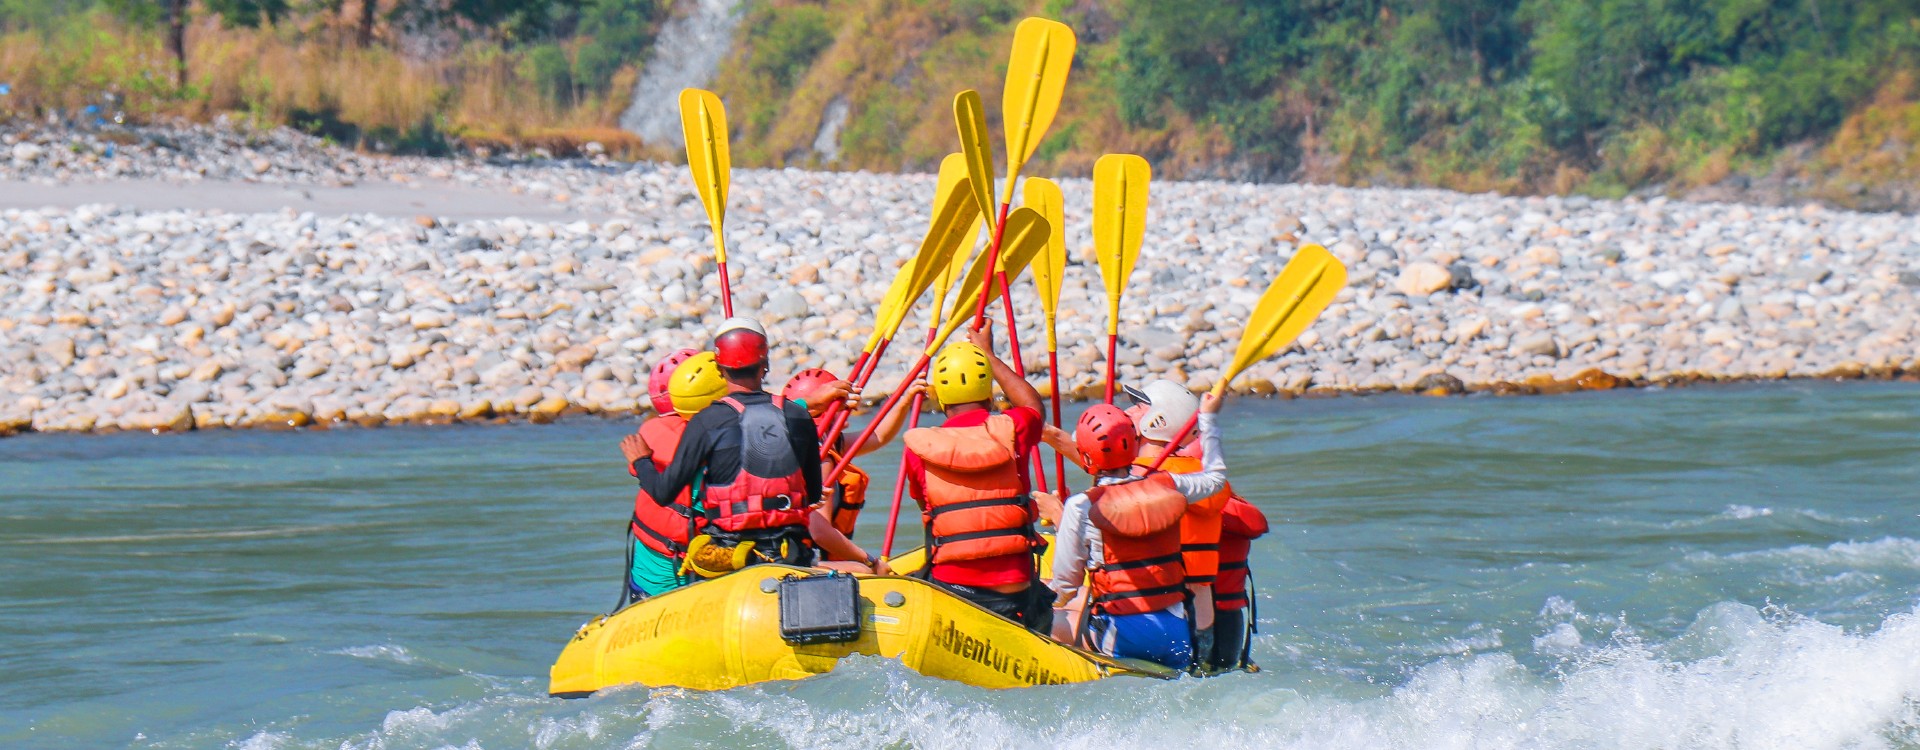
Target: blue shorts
pixel 1160 637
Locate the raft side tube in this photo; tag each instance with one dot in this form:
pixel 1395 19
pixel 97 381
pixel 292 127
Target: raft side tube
pixel 725 633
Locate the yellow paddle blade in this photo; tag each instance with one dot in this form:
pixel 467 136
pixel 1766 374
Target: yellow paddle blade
pixel 1036 79
pixel 703 120
pixel 892 307
pixel 1026 235
pixel 1119 223
pixel 970 116
pixel 963 255
pixel 1050 269
pixel 1291 303
pixel 953 171
pixel 953 224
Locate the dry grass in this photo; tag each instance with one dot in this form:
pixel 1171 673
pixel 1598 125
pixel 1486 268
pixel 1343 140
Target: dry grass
pixel 280 75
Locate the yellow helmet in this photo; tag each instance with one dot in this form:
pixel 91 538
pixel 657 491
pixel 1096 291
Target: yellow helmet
pixel 696 383
pixel 962 375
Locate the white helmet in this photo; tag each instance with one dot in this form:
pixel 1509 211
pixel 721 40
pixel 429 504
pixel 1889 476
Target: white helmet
pixel 737 322
pixel 1169 406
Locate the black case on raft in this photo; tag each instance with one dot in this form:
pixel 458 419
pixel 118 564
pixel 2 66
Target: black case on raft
pixel 819 609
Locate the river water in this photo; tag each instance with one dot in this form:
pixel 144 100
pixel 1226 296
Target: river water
pixel 1696 568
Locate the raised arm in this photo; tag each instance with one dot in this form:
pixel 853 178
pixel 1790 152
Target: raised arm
pixel 889 425
pixel 1212 476
pixel 1019 392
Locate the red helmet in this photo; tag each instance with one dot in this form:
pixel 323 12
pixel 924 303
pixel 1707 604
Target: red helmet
pixel 803 383
pixel 740 343
pixel 1106 439
pixel 661 375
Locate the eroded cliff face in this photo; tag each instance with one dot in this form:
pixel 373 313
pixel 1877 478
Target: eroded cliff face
pixel 686 54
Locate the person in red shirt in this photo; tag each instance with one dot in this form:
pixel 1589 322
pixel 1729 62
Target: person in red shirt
pixel 970 477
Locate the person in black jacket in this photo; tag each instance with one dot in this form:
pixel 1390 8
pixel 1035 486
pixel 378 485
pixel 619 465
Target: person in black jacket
pixel 752 462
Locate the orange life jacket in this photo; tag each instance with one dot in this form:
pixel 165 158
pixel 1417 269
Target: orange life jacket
pixel 974 508
pixel 1240 524
pixel 845 500
pixel 663 529
pixel 1140 568
pixel 1200 528
pixel 769 492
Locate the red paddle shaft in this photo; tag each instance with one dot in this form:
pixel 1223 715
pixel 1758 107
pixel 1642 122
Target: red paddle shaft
pixel 993 262
pixel 831 416
pixel 900 483
pixel 836 416
pixel 893 400
pixel 1173 446
pixel 1059 461
pixel 726 290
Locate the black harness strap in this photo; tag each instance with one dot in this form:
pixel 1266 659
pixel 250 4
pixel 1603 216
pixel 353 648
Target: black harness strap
pixel 940 541
pixel 1140 594
pixel 1146 563
pixel 992 502
pixel 675 549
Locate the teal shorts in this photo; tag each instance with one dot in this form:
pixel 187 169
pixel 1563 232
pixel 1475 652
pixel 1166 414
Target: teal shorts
pixel 653 574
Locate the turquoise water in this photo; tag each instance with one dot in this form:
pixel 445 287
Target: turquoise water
pixel 1706 567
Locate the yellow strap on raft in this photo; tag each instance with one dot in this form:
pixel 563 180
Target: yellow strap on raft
pixel 709 560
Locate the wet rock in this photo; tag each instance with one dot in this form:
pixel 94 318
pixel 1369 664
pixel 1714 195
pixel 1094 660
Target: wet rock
pixel 1439 384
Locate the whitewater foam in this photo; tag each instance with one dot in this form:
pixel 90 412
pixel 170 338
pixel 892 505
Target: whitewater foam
pixel 1887 551
pixel 1736 678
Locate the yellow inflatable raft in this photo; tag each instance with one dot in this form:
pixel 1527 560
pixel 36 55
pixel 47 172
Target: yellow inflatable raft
pixel 725 633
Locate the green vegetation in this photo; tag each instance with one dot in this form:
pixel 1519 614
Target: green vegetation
pixel 1599 96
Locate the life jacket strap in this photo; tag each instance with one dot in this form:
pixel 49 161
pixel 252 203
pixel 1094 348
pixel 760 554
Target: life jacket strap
pixel 1199 548
pixel 759 503
pixel 1234 565
pixel 1140 593
pixel 674 548
pixel 992 502
pixel 1137 564
pixel 941 541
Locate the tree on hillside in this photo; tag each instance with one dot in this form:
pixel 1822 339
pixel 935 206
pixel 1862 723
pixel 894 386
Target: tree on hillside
pixel 173 15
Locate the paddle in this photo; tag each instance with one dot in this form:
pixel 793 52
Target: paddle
pixel 956 267
pixel 952 228
pixel 1037 70
pixel 1304 289
pixel 1119 223
pixel 1049 272
pixel 970 118
pixel 951 173
pixel 1028 234
pixel 703 122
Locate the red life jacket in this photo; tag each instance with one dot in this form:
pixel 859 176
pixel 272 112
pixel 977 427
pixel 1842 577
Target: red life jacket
pixel 1140 568
pixel 975 508
pixel 1240 524
pixel 663 529
pixel 845 500
pixel 1200 528
pixel 769 492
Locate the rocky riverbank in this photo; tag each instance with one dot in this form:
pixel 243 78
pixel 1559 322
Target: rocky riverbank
pixel 120 319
